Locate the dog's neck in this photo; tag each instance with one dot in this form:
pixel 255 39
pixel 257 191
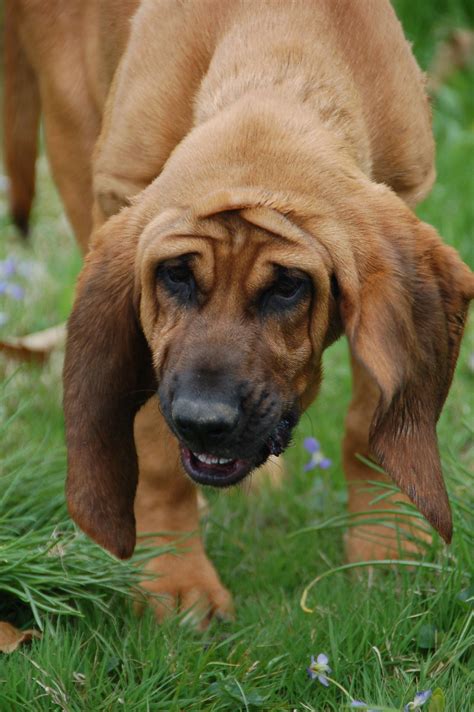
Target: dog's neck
pixel 261 143
pixel 308 84
pixel 297 104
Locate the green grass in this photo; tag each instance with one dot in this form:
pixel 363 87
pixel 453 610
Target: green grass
pixel 387 634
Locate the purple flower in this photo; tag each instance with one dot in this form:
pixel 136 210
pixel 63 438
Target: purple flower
pixel 7 267
pixel 10 269
pixel 311 445
pixel 317 459
pixel 358 703
pixel 324 463
pixel 15 291
pixel 318 669
pixel 419 701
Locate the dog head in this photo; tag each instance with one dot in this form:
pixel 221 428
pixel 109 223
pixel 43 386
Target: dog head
pixel 223 310
pixel 227 308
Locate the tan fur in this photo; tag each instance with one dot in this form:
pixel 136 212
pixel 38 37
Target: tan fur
pixel 21 109
pixel 246 133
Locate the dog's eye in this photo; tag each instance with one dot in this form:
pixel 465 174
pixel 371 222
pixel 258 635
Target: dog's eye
pixel 286 287
pixel 179 274
pixel 178 279
pixel 287 290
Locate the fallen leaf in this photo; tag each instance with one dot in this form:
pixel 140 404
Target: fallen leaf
pixel 11 637
pixel 34 347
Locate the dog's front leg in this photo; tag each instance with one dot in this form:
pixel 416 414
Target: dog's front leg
pixel 166 501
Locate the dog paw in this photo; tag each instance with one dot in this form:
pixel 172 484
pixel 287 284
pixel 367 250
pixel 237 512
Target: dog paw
pixel 394 533
pixel 187 584
pixel 378 542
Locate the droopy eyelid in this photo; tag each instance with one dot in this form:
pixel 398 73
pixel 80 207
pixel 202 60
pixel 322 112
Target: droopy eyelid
pixel 181 287
pixel 270 301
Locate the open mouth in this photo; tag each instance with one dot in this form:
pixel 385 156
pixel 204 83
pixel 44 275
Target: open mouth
pixel 209 469
pixel 215 471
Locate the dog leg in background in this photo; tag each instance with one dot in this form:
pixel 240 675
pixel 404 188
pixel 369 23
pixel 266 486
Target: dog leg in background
pixel 166 501
pixel 71 115
pixel 70 140
pixel 21 121
pixel 377 540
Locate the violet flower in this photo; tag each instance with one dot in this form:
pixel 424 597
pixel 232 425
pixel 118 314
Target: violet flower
pixel 419 701
pixel 317 459
pixel 15 291
pixel 7 267
pixel 318 668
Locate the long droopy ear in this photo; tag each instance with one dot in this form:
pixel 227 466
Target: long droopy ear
pixel 405 326
pixel 108 375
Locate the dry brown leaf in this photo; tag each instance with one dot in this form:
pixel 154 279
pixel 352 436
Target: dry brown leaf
pixel 34 347
pixel 11 637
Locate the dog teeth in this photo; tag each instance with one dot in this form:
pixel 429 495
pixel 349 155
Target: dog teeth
pixel 211 460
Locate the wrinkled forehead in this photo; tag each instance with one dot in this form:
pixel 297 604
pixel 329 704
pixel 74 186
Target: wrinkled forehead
pixel 247 238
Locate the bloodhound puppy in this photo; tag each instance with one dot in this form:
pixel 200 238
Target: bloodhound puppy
pixel 248 169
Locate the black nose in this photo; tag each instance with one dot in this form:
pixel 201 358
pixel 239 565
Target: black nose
pixel 203 422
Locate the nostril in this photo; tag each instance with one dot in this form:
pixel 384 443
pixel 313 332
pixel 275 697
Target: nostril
pixel 204 418
pixel 184 425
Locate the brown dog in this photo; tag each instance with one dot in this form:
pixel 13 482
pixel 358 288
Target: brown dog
pixel 266 156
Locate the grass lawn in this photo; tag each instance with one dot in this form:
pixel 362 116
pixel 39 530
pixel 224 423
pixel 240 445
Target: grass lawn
pixel 387 633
